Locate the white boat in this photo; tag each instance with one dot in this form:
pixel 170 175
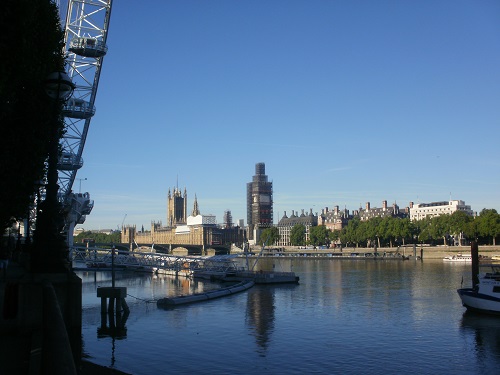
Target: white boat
pixel 458 258
pixel 485 296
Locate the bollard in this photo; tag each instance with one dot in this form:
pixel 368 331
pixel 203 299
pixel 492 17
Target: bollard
pixel 474 252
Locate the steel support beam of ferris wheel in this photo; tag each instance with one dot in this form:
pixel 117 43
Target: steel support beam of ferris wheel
pixel 85 27
pixel 86 32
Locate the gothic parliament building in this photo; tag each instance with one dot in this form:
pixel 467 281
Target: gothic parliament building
pixel 195 232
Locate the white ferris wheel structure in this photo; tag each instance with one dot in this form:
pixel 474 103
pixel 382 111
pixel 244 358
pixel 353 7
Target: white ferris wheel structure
pixel 85 26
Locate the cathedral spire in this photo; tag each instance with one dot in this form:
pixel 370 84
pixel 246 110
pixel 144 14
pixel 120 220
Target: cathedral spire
pixel 196 210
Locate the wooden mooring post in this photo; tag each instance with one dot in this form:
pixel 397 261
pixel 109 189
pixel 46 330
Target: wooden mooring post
pixel 116 297
pixel 113 302
pixel 114 311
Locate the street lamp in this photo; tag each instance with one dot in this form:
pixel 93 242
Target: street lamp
pixel 50 253
pixel 81 179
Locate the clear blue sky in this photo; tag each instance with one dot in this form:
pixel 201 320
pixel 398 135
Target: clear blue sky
pixel 346 102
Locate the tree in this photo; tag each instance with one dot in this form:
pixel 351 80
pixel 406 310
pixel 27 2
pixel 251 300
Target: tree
pixel 458 223
pixel 34 40
pixel 442 227
pixel 318 235
pixel 269 236
pixel 389 224
pixel 382 231
pixel 471 231
pixel 402 228
pixel 489 224
pixel 425 229
pixel 350 232
pixel 298 235
pixel 334 235
pixel 372 231
pixel 112 238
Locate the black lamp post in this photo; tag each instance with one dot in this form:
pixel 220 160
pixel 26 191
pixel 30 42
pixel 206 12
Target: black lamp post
pixel 50 249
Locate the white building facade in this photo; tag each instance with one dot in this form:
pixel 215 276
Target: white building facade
pixel 423 210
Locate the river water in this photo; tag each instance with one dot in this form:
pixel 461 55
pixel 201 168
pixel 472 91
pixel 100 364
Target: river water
pixel 345 317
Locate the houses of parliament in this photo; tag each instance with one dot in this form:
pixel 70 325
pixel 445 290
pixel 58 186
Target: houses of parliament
pixel 195 232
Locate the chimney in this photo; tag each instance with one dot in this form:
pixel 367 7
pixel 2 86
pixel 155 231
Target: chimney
pixel 367 206
pixel 384 205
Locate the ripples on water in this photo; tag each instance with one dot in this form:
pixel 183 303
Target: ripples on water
pixel 345 317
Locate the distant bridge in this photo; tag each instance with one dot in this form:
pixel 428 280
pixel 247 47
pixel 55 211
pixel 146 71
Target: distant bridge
pixel 96 258
pixel 166 248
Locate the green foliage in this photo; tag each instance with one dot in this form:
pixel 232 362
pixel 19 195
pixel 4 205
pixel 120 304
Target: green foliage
pixel 32 41
pixel 350 234
pixel 334 236
pixel 298 235
pixel 390 231
pixel 489 224
pixel 458 222
pixel 269 236
pixel 101 238
pixel 319 235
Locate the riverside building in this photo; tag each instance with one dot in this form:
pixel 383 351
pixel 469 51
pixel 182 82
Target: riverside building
pixel 371 212
pixel 422 210
pixel 334 219
pixel 286 224
pixel 196 232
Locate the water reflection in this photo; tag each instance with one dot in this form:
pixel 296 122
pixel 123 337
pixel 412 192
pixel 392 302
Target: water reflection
pixel 260 315
pixel 485 329
pixel 117 325
pixel 345 316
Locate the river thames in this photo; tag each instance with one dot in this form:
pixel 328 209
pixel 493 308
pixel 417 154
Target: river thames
pixel 345 317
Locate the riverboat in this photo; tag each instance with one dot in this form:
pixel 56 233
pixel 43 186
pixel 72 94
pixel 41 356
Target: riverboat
pixel 458 258
pixel 485 296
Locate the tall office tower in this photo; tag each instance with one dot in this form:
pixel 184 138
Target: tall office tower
pixel 259 202
pixel 177 208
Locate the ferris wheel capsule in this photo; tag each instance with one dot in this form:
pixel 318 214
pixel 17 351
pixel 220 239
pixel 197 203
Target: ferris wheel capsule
pixel 88 47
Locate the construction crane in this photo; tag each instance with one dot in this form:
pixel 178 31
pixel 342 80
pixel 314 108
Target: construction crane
pixel 123 221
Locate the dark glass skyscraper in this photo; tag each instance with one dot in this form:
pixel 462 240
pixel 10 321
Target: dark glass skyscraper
pixel 259 202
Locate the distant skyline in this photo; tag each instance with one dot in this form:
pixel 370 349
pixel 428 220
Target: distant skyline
pixel 346 102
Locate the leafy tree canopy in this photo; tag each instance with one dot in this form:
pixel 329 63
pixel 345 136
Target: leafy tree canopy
pixel 112 238
pixel 269 236
pixel 319 235
pixel 33 41
pixel 484 228
pixel 298 235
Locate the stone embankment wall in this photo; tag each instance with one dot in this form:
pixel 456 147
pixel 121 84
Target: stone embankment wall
pixel 429 252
